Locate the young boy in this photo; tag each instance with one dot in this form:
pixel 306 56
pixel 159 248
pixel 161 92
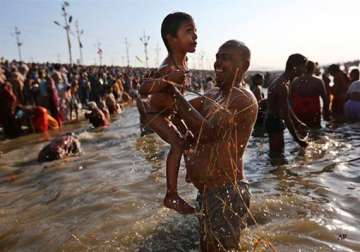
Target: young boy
pixel 179 35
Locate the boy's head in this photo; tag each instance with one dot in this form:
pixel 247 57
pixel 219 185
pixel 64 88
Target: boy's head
pixel 178 32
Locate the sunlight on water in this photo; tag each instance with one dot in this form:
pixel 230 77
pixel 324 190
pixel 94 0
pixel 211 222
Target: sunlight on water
pixel 110 197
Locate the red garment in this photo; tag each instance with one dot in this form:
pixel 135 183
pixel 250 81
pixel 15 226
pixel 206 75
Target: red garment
pixel 307 109
pixel 8 103
pixel 40 120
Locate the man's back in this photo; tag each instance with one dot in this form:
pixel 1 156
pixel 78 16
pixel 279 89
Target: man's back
pixel 275 92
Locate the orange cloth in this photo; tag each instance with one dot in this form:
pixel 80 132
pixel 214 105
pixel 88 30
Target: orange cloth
pixel 40 120
pixel 52 122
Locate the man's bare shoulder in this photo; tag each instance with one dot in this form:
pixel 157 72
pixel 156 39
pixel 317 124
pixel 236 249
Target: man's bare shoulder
pixel 242 98
pixel 279 85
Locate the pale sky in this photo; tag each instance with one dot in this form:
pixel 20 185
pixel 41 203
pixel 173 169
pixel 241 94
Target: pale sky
pixel 326 31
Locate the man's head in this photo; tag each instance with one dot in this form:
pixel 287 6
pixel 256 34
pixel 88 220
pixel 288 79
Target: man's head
pixel 178 32
pixel 232 62
pixel 317 71
pixel 295 65
pixel 333 69
pixel 310 67
pixel 354 74
pixel 258 79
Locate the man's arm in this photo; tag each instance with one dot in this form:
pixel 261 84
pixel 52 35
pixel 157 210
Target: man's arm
pixel 152 85
pixel 288 114
pixel 214 128
pixel 197 102
pixel 155 85
pixel 325 99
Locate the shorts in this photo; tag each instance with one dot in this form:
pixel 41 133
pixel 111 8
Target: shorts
pixel 223 212
pixel 274 124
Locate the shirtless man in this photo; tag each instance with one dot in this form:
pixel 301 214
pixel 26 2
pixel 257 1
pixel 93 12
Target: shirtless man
pixel 222 122
pixel 338 91
pixel 279 109
pixel 305 92
pixel 96 116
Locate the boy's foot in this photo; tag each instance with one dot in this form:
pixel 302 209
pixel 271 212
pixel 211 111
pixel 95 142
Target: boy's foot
pixel 173 201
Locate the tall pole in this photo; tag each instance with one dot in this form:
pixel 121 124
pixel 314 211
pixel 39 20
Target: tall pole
pixel 201 60
pixel 78 35
pixel 127 52
pixel 145 40
pixel 18 42
pixel 157 53
pixel 66 27
pixel 99 52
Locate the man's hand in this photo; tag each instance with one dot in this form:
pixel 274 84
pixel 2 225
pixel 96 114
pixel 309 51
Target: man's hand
pixel 176 76
pixel 302 143
pixel 303 129
pixel 326 116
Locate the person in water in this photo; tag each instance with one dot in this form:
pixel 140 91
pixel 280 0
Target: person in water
pixel 8 104
pixel 178 32
pixel 59 148
pixel 279 114
pixel 96 116
pixel 305 93
pixel 338 91
pixel 257 83
pixel 352 105
pixel 38 118
pixel 222 121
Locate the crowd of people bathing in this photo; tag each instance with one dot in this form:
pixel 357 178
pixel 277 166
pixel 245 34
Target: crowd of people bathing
pixel 211 131
pixel 44 96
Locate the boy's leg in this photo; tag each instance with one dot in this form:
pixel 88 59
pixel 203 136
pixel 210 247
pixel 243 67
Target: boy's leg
pixel 168 132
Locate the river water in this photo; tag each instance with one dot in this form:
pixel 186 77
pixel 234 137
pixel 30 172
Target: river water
pixel 109 198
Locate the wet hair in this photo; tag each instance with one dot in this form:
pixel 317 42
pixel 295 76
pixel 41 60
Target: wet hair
pixel 171 25
pixel 310 67
pixel 295 60
pixel 245 51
